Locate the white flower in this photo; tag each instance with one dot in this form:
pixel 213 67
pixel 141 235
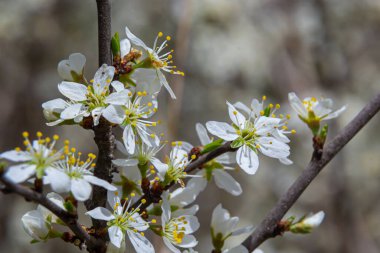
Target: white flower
pixel 87 100
pixel 35 225
pixel 223 226
pixel 306 225
pixel 73 175
pixel 35 160
pixel 251 135
pixel 132 116
pixel 174 169
pixel 155 58
pixel 215 168
pixel 176 231
pixel 72 69
pixel 38 223
pixel 121 223
pixel 312 110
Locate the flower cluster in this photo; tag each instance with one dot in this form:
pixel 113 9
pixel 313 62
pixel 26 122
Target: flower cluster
pixel 140 198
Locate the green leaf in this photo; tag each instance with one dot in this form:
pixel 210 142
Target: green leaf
pixel 237 143
pixel 115 44
pixel 211 146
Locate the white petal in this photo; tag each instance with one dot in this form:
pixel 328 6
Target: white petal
pixel 197 183
pixel 186 211
pixel 165 206
pixel 297 104
pixel 235 115
pixel 116 236
pixel 219 218
pixel 222 130
pixel 117 85
pixel 314 220
pixel 101 213
pixel 16 156
pixel 72 111
pixel 256 107
pixel 77 62
pixel 114 114
pixel 242 107
pixel 191 225
pixel 96 114
pixel 237 249
pixel 136 41
pixel 55 105
pixel 188 241
pixel 125 47
pixel 99 182
pixel 146 135
pixel 335 114
pixel 271 147
pixel 34 224
pixel 125 162
pixel 226 158
pixel 285 161
pixel 21 172
pixel 140 243
pixel 129 139
pixel 202 134
pixel 118 98
pixel 59 181
pixel 103 78
pixel 165 83
pixel 247 159
pixel 265 125
pixel 74 91
pixel 170 246
pixel 81 189
pixel 225 181
pixel 160 166
pixel 245 230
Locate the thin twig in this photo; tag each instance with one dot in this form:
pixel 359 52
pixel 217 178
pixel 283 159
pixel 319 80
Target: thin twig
pixel 268 225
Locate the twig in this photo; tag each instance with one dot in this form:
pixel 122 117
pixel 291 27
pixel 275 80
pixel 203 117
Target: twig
pixel 268 225
pixel 69 219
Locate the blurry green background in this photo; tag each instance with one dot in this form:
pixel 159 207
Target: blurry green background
pixel 231 50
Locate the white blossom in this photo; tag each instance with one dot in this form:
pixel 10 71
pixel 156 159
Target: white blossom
pixel 86 100
pixel 223 226
pixel 72 68
pixel 215 168
pixel 122 223
pixel 38 157
pixel 312 109
pixel 176 231
pixel 251 135
pixel 132 115
pixel 314 220
pixel 74 175
pixel 156 59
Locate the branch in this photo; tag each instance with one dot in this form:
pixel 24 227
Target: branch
pixel 104 138
pixel 268 225
pixel 69 219
pixel 191 167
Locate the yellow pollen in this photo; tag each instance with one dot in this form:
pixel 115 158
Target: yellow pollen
pixel 264 98
pixel 66 142
pixel 170 57
pixel 47 139
pixel 142 233
pixel 193 157
pixel 93 165
pixel 313 99
pixel 154 221
pixel 73 150
pixel 130 94
pixel 287 116
pixel 143 201
pixel 270 106
pixel 150 104
pixel 39 134
pixel 108 80
pixel 261 112
pixel 116 193
pixel 25 134
pixel 133 194
pixel 257 146
pixel 55 137
pixel 92 80
pixel 139 93
pixel 278 106
pixel 235 112
pixel 160 34
pixel 293 131
pixel 18 149
pixel 152 135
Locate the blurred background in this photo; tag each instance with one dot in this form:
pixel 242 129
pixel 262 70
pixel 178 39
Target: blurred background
pixel 230 50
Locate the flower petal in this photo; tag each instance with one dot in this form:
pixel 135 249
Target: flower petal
pixel 225 181
pixel 101 213
pixel 170 246
pixel 58 180
pixel 96 114
pixel 247 159
pixel 235 115
pixel 271 147
pixel 114 114
pixel 21 172
pixel 222 130
pixel 16 156
pixel 73 91
pixel 125 162
pixel 297 104
pixel 99 182
pixel 103 78
pixel 140 243
pixel 125 47
pixel 188 241
pixel 72 111
pixel 335 114
pixel 116 236
pixel 165 83
pixel 81 189
pixel 202 134
pixel 136 41
pixel 129 139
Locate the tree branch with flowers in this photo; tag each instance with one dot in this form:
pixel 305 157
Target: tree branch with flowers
pixel 136 196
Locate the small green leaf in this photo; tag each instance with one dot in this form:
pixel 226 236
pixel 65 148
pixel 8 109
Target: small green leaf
pixel 115 44
pixel 211 146
pixel 237 143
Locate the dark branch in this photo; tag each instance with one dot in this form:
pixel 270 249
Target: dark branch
pixel 69 219
pixel 104 31
pixel 268 225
